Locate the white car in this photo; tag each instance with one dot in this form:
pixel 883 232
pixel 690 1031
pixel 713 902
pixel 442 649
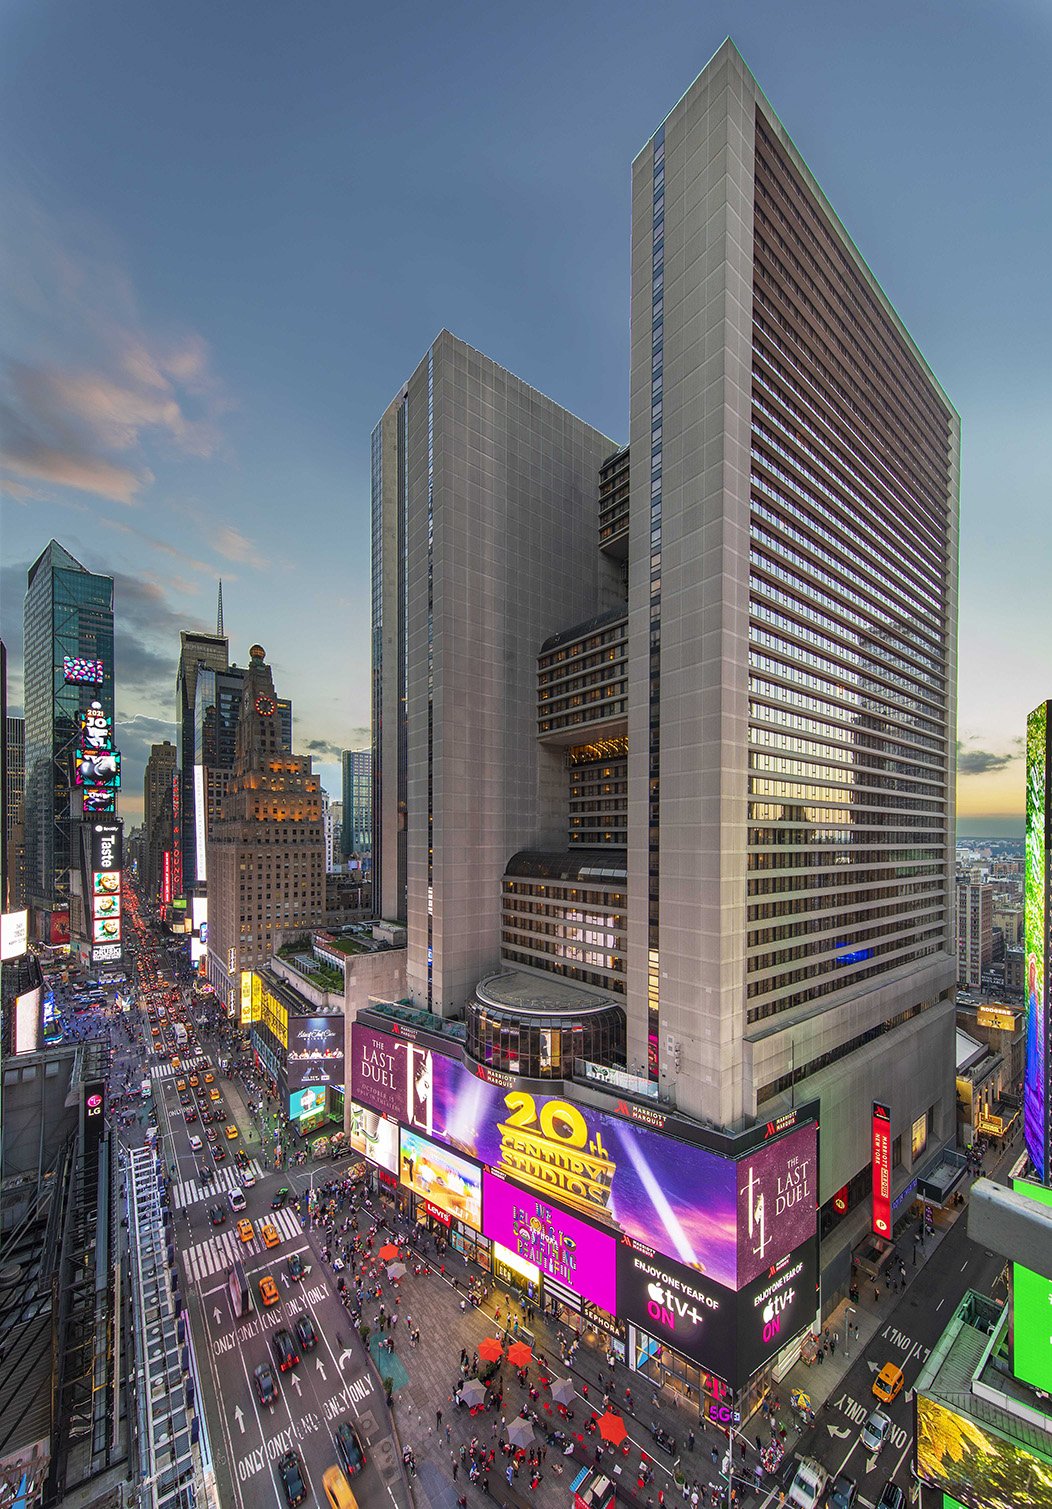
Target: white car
pixel 237 1201
pixel 247 1178
pixel 196 1144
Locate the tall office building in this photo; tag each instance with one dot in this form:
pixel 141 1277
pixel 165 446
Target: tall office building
pixel 266 856
pixel 158 820
pixel 975 933
pixel 675 721
pixel 14 778
pixel 198 654
pixel 357 832
pixel 483 537
pixel 68 655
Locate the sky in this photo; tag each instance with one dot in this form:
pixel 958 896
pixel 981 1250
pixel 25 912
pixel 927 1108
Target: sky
pixel 231 231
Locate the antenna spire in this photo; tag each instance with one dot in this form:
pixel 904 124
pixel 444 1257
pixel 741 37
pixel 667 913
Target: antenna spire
pixel 219 614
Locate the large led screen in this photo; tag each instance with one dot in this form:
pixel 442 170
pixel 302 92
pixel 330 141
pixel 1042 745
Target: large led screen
pixel 375 1136
pixel 682 1200
pixel 315 1051
pixel 303 1103
pixel 981 1468
pixel 1035 1091
pixel 436 1174
pixel 677 1306
pixel 97 767
pixel 78 671
pixel 1032 1309
pixel 570 1251
pixel 776 1306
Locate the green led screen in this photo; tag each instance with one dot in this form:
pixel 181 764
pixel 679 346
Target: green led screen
pixel 1035 1088
pixel 1032 1312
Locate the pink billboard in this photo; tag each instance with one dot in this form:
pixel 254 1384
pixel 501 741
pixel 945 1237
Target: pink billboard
pixel 565 1249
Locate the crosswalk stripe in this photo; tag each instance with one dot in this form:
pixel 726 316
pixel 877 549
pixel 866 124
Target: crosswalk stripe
pixel 219 1251
pixel 191 1191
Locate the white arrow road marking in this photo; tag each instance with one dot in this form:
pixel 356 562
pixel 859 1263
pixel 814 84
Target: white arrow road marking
pixel 240 1418
pixel 296 1382
pixel 321 1370
pixel 874 1367
pixel 218 1314
pixel 871 1463
pixel 836 1431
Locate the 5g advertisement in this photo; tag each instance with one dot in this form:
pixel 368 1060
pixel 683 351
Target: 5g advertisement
pixel 714 1255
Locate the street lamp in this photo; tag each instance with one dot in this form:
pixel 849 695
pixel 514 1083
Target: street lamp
pixel 848 1314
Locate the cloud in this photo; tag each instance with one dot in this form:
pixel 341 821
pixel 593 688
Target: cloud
pixel 235 546
pixel 104 398
pixel 324 749
pixel 982 761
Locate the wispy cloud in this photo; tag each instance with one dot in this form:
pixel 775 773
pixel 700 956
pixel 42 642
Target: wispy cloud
pixel 979 761
pixel 104 399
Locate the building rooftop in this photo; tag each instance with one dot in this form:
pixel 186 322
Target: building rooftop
pixel 523 991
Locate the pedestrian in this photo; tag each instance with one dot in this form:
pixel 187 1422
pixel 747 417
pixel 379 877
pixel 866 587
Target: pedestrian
pixel 438 1417
pixel 876 1294
pixel 715 1455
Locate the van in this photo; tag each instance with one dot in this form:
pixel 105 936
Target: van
pixel 808 1484
pixel 337 1489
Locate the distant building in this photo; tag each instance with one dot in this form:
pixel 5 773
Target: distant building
pixel 266 856
pixel 975 940
pixel 158 821
pixel 14 814
pixel 356 840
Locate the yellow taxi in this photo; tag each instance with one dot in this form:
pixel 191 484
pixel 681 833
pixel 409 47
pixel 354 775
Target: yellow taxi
pixel 156 1031
pixel 177 1063
pixel 180 1085
pixel 888 1382
pixel 245 1231
pixel 194 1081
pixel 268 1290
pixel 270 1235
pixel 231 1133
pixel 214 1095
pixel 338 1493
pixel 209 1078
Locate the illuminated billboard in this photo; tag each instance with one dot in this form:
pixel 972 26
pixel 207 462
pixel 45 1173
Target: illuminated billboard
pixel 880 1141
pixel 978 1466
pixel 96 727
pixel 97 767
pixel 437 1175
pixel 315 1051
pixel 1035 1089
pixel 28 1015
pixel 1032 1309
pixel 566 1249
pixel 304 1103
pixel 678 1306
pixel 106 930
pixel 76 671
pixel 375 1136
pixel 727 1219
pixel 98 801
pixel 14 934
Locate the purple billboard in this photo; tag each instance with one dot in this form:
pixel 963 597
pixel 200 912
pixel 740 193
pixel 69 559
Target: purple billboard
pixel 729 1220
pixel 565 1249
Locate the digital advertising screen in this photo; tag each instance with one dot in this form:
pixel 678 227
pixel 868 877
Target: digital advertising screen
pixel 14 934
pixel 880 1141
pixel 436 1174
pixel 304 1103
pixel 96 727
pixel 107 853
pixel 106 883
pixel 105 953
pixel 776 1306
pixel 76 671
pixel 1035 900
pixel 97 801
pixel 566 1249
pixel 375 1136
pixel 684 1201
pixel 977 1466
pixel 27 1023
pixel 315 1051
pixel 678 1307
pixel 97 767
pixel 106 930
pixel 107 905
pixel 1032 1309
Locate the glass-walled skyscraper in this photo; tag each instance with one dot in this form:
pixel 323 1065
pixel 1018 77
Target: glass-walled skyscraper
pixel 357 837
pixel 68 627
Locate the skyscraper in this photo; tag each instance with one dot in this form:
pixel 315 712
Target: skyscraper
pixel 158 820
pixel 68 653
pixel 14 813
pixel 357 832
pixel 198 653
pixel 686 708
pixel 266 857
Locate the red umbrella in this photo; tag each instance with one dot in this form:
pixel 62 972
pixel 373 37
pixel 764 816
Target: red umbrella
pixel 520 1354
pixel 389 1250
pixel 490 1349
pixel 612 1428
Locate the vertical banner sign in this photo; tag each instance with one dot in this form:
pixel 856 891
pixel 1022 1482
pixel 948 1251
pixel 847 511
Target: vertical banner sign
pixel 882 1170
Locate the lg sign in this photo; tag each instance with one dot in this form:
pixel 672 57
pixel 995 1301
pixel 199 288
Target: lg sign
pixel 94 1105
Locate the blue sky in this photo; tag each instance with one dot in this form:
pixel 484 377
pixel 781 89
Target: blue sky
pixel 231 230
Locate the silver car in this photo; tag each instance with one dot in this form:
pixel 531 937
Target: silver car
pixel 875 1431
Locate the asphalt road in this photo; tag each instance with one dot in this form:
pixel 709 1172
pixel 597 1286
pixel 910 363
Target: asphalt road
pixel 332 1383
pixel 915 1321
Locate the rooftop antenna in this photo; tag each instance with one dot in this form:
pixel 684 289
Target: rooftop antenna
pixel 219 614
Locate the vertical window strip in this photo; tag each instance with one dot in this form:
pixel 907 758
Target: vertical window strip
pixel 654 742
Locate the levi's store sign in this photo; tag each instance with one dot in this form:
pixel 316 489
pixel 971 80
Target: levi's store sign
pixel 881 1142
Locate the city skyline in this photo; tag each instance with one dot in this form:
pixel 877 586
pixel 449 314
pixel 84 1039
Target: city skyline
pixel 207 332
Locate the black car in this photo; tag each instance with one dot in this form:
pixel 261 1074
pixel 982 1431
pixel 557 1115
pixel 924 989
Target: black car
pixel 189 1115
pixel 843 1492
pixel 217 1215
pixel 219 1152
pixel 295 1266
pixel 292 1479
pixel 349 1448
pixel 205 1174
pixel 891 1497
pixel 284 1349
pixel 266 1384
pixel 308 1336
pixel 279 1199
pixel 241 1158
